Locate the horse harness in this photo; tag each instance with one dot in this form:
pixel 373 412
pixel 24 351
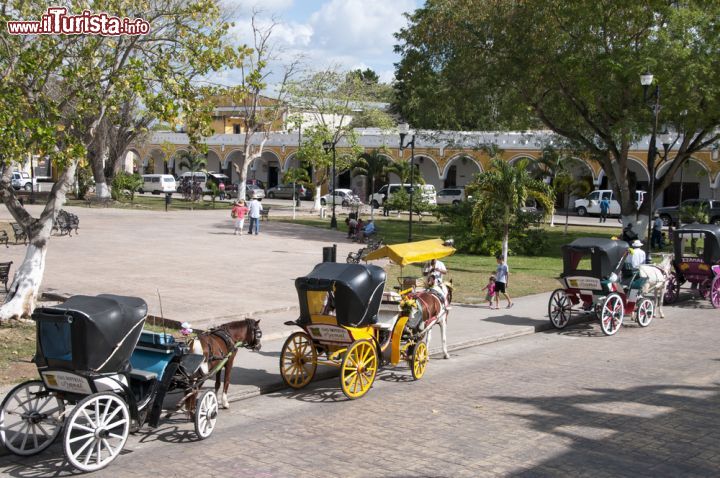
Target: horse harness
pixel 227 339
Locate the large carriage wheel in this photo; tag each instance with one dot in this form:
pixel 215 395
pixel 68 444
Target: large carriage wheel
pixel 559 309
pixel 715 292
pixel 705 288
pixel 30 418
pixel 358 369
pixel 419 360
pixel 298 360
pixel 644 312
pixel 612 314
pixel 96 431
pixel 672 290
pixel 206 413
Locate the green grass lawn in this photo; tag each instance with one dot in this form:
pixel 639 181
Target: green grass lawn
pixel 470 273
pixel 157 203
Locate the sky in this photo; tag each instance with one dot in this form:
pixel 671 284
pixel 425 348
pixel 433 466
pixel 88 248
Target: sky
pixel 347 34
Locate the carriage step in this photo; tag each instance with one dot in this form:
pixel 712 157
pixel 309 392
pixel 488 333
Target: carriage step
pixel 142 375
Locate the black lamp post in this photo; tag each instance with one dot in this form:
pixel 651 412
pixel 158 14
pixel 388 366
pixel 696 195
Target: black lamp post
pixel 328 145
pixel 404 129
pixel 646 80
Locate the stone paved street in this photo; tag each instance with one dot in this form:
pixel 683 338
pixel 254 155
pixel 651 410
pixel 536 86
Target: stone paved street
pixel 643 403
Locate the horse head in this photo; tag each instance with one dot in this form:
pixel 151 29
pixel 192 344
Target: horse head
pixel 253 334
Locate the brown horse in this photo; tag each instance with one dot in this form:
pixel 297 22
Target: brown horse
pixel 434 304
pixel 220 343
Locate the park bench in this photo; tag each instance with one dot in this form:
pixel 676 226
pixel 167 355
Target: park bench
pixel 19 232
pixel 5 273
pixel 66 222
pixel 4 238
pixel 265 213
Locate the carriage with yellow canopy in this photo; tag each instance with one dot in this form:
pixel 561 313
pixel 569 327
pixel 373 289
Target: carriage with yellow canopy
pixel 348 321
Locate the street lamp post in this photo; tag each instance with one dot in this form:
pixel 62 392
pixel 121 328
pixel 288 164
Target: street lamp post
pixel 404 129
pixel 328 145
pixel 646 80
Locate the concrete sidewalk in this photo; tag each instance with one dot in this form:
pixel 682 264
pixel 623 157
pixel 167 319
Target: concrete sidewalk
pixel 256 373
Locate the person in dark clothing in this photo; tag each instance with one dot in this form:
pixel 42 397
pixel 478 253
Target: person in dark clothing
pixel 628 235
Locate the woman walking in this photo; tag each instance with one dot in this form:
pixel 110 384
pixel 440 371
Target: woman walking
pixel 238 212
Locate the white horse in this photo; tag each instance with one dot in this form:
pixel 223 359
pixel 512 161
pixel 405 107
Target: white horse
pixel 657 278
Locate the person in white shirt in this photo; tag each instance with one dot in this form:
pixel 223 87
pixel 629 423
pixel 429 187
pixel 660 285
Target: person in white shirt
pixel 255 207
pixel 637 255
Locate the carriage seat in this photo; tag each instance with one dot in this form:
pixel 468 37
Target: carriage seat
pixel 386 318
pixel 142 375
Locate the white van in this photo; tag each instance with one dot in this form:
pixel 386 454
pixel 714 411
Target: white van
pixel 386 192
pixel 591 204
pixel 158 184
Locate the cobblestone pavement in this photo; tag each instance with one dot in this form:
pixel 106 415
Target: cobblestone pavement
pixel 643 403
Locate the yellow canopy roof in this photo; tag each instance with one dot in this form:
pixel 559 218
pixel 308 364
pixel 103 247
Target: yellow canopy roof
pixel 412 252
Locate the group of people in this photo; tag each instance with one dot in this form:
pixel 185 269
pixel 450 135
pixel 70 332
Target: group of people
pixel 359 230
pixel 252 210
pixel 498 284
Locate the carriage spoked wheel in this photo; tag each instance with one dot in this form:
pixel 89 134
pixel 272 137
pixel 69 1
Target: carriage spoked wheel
pixel 298 360
pixel 206 413
pixel 644 312
pixel 30 418
pixel 612 314
pixel 559 309
pixel 715 292
pixel 358 369
pixel 672 290
pixel 96 431
pixel 419 360
pixel 705 288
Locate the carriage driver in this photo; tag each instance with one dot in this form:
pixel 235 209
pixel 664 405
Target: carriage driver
pixel 434 272
pixel 636 257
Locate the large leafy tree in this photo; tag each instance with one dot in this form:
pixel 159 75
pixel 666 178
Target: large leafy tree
pixel 500 193
pixel 55 91
pixel 572 67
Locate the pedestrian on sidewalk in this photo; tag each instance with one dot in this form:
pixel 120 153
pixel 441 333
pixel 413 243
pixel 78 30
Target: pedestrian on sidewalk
pixel 238 212
pixel 656 238
pixel 502 279
pixel 221 187
pixel 255 208
pixel 490 294
pixel 604 208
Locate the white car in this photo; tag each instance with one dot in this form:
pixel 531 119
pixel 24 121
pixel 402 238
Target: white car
pixel 21 180
pixel 591 204
pixel 452 196
pixel 386 192
pixel 343 197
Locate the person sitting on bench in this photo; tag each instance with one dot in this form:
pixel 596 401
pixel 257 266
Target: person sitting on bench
pixel 368 230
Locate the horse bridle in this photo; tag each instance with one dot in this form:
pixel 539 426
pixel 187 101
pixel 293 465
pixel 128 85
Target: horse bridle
pixel 257 335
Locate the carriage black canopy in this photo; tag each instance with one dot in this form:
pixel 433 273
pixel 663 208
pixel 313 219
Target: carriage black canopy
pixel 605 256
pixel 86 333
pixel 357 291
pixel 711 244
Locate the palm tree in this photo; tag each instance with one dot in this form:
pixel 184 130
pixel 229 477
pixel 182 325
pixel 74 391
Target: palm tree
pixel 374 166
pixel 500 192
pixel 566 184
pixel 402 170
pixel 193 163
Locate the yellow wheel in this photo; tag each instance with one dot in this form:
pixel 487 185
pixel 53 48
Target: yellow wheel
pixel 419 360
pixel 358 369
pixel 298 360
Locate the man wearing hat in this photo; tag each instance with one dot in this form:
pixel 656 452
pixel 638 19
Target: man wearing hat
pixel 636 255
pixel 656 238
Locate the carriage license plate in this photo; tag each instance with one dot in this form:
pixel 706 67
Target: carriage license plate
pixel 580 282
pixel 66 381
pixel 330 333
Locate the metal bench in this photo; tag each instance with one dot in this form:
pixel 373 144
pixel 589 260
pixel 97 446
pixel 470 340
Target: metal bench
pixel 66 222
pixel 4 238
pixel 265 214
pixel 19 233
pixel 5 273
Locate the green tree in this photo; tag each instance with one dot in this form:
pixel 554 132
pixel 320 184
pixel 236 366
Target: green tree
pixel 193 162
pixel 55 91
pixel 473 65
pixel 501 192
pixel 125 184
pixel 564 183
pixel 402 170
pixel 373 165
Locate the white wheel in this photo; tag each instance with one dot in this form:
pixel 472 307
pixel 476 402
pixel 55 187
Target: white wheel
pixel 206 413
pixel 30 418
pixel 559 309
pixel 612 313
pixel 644 313
pixel 96 431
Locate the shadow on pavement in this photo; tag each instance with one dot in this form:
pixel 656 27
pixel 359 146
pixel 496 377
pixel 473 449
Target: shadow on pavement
pixel 514 320
pixel 663 430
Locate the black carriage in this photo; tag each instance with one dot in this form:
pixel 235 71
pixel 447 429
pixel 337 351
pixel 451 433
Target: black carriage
pixel 596 280
pixel 696 261
pixel 101 377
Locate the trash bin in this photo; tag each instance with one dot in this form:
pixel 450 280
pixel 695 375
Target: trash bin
pixel 168 200
pixel 330 253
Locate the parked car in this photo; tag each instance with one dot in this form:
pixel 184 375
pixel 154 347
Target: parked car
pixel 21 180
pixel 343 197
pixel 591 204
pixel 158 183
pixel 673 214
pixel 385 193
pixel 452 196
pixel 285 191
pixel 254 191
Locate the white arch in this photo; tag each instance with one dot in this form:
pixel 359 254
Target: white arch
pixel 518 157
pixel 420 159
pixel 231 155
pixel 661 170
pixel 456 158
pixel 643 168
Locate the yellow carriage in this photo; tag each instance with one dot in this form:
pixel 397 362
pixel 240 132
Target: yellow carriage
pixel 343 326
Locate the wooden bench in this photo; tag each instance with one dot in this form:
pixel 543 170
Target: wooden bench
pixel 19 232
pixel 265 213
pixel 5 273
pixel 4 238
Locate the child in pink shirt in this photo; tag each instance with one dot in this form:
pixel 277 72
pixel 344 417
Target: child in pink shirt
pixel 238 212
pixel 490 295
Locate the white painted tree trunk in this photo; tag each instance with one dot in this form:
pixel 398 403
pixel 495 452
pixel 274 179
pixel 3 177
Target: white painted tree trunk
pixel 20 301
pixel 316 199
pixel 102 190
pixel 639 223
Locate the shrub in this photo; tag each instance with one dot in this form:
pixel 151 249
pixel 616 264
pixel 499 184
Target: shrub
pixel 125 184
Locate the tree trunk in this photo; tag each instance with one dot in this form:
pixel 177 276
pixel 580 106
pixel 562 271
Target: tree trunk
pixel 20 300
pixel 316 199
pixel 506 238
pixel 96 154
